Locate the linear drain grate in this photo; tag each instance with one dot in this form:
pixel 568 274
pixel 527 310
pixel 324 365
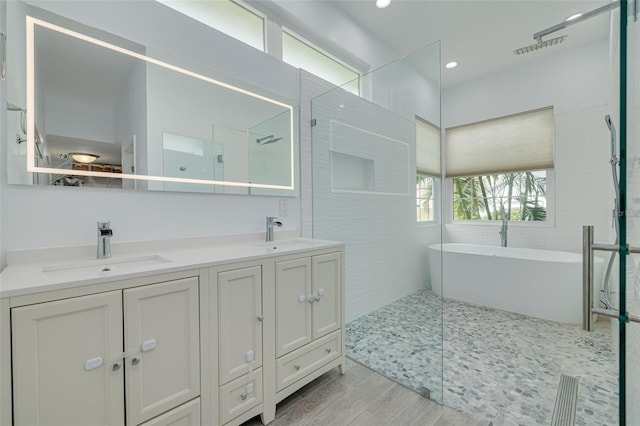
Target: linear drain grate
pixel 564 412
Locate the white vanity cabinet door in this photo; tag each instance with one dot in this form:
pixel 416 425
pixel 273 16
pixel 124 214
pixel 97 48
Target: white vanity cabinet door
pixel 67 362
pixel 162 342
pixel 327 290
pixel 240 322
pixel 293 304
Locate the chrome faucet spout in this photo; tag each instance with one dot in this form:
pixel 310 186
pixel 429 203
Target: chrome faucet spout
pixel 104 240
pixel 271 222
pixel 504 227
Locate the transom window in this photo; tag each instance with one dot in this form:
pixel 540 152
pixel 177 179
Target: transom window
pixel 300 53
pixel 227 16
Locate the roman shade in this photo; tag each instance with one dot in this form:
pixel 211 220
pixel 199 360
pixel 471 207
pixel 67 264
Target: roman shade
pixel 427 148
pixel 512 143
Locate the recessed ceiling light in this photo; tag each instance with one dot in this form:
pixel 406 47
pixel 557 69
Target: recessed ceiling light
pixel 572 17
pixel 451 64
pixel 381 4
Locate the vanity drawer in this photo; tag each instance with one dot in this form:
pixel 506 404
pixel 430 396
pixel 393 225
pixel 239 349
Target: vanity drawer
pixel 295 365
pixel 234 398
pixel 187 414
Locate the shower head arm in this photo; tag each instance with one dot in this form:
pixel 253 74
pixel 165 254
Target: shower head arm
pixel 595 12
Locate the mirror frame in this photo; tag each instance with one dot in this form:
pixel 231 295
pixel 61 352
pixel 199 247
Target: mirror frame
pixel 31 23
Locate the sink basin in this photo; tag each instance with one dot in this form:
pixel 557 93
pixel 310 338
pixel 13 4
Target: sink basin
pixel 106 266
pixel 285 245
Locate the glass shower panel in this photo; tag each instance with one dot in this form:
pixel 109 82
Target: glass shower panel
pixel 364 193
pixel 633 218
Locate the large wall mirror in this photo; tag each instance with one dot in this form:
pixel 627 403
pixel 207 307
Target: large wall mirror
pixel 86 108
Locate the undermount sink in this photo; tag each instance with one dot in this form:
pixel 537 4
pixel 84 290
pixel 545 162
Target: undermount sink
pixel 106 266
pixel 285 245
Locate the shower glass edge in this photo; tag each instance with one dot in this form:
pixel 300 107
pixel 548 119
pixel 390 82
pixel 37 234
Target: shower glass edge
pixel 364 194
pixel 629 293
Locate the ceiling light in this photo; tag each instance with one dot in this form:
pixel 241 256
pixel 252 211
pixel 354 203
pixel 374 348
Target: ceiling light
pixel 572 17
pixel 451 64
pixel 381 4
pixel 82 157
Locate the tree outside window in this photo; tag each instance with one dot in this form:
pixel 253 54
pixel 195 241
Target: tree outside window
pixel 521 194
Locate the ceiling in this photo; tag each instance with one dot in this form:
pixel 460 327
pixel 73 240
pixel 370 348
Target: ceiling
pixel 479 34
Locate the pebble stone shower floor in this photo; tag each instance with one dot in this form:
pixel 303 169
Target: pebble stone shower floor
pixel 499 366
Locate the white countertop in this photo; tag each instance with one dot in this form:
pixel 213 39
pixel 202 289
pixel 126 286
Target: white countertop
pixel 34 271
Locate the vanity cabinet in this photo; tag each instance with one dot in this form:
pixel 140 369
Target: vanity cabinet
pixel 240 340
pixel 308 315
pixel 75 359
pixel 215 346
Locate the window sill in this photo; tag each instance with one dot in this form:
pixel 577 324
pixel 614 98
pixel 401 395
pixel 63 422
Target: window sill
pixel 498 223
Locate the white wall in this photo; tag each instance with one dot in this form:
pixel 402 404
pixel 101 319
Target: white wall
pixel 47 216
pixel 576 83
pixel 76 119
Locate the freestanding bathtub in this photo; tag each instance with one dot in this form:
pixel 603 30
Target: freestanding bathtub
pixel 540 283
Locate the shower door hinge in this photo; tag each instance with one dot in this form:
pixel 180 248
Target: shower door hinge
pixel 313 122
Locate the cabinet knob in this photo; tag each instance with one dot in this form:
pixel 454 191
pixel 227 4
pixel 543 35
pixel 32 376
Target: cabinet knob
pixel 260 318
pixel 243 396
pixel 296 367
pixel 116 366
pixel 93 363
pixel 328 350
pixel 135 360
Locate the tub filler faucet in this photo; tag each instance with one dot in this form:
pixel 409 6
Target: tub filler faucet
pixel 504 227
pixel 104 240
pixel 271 222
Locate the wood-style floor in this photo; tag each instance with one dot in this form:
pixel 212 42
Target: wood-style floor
pixel 362 397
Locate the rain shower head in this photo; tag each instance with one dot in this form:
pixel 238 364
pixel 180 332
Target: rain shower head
pixel 540 45
pixel 267 140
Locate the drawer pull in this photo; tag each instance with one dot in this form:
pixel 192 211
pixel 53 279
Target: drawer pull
pixel 328 350
pixel 149 345
pixel 93 363
pixel 243 396
pixel 296 367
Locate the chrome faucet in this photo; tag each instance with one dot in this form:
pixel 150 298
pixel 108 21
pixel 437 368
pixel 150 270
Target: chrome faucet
pixel 104 240
pixel 504 227
pixel 271 222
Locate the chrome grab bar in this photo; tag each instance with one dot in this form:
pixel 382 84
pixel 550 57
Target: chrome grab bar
pixel 587 279
pixel 613 247
pixel 614 314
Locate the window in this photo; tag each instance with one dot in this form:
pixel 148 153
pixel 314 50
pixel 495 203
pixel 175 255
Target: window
pixel 226 16
pixel 427 170
pixel 302 54
pixel 425 198
pixel 503 163
pixel 521 195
